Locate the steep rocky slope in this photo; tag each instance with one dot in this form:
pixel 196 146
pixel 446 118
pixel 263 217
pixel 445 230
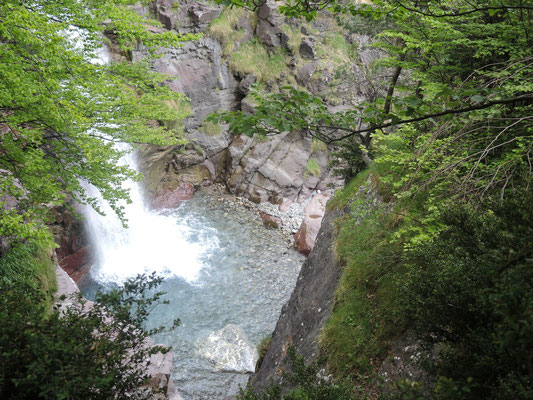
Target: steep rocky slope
pixel 308 309
pixel 240 49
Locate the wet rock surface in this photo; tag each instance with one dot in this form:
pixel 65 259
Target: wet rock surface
pixel 228 350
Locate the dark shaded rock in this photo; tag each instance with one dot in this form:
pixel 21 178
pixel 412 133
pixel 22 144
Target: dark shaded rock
pixel 308 309
pixel 270 221
pixel 271 35
pixel 307 49
pixel 306 72
pixel 78 264
pixel 244 85
pixel 268 29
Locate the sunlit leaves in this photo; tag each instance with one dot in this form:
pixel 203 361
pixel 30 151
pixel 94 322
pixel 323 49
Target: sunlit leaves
pixel 61 111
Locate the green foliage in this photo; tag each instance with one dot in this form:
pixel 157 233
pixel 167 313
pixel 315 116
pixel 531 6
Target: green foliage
pixel 349 161
pixel 364 321
pixel 84 352
pixel 253 58
pixel 61 113
pixel 304 382
pixel 471 290
pixel 343 196
pixel 450 131
pixel 29 264
pixel 463 101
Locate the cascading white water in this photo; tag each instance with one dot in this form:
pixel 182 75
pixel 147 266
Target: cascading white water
pixel 152 242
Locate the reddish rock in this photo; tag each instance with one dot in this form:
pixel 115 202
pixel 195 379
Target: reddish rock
pixel 78 264
pixel 183 192
pixel 270 220
pixel 285 205
pixel 304 239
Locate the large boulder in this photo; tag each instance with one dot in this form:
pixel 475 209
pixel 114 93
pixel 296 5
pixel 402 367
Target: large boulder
pixel 305 238
pixel 307 49
pixel 229 351
pixel 268 28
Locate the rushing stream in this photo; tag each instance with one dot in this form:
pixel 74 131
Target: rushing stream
pixel 223 271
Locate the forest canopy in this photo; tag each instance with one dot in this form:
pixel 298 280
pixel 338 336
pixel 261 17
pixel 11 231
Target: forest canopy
pixel 62 110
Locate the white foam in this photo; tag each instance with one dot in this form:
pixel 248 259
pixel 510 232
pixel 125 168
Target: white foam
pixel 152 242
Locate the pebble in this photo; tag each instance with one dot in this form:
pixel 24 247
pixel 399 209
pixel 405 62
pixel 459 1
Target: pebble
pixel 291 220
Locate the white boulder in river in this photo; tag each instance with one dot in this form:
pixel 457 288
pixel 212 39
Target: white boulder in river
pixel 229 350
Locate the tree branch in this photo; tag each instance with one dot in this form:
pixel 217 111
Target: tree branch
pixel 512 100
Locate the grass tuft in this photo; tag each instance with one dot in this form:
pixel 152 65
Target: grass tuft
pixel 209 128
pixel 224 28
pixel 252 58
pixel 312 167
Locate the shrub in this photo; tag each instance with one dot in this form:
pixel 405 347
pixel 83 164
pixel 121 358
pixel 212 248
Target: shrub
pixel 81 352
pixel 471 290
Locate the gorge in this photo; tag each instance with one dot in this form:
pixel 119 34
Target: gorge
pixel 335 194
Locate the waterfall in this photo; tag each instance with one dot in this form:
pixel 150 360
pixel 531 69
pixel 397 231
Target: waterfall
pixel 154 241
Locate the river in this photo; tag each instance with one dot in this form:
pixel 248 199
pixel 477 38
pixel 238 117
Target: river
pixel 225 274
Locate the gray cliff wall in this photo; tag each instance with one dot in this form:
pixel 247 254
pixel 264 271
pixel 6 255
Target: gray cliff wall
pixel 308 309
pixel 322 57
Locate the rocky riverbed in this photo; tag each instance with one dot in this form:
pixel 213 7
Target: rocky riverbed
pixel 246 273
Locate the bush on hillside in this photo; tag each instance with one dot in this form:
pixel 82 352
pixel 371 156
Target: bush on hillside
pixel 471 290
pixel 80 352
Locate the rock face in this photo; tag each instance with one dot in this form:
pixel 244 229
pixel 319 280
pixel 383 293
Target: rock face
pixel 200 74
pixel 276 169
pixel 310 305
pixel 305 239
pixel 273 169
pixel 185 16
pixel 229 350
